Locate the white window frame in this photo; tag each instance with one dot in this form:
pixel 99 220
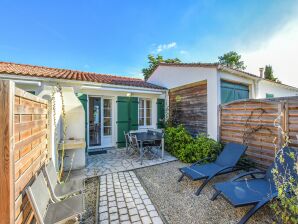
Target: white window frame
pixel 145 112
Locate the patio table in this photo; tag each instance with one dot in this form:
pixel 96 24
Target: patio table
pixel 149 137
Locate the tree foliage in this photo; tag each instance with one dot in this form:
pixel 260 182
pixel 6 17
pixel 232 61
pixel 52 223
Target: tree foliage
pixel 232 60
pixel 153 63
pixel 269 74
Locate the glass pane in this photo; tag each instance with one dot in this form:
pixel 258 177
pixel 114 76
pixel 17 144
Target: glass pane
pixel 141 121
pixel 107 131
pixel 107 112
pixel 107 121
pixel 148 121
pixel 148 103
pixel 94 121
pixel 141 103
pixel 141 113
pixel 107 103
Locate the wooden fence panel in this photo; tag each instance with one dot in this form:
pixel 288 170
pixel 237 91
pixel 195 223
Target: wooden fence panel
pixel 25 131
pixel 261 124
pixel 188 106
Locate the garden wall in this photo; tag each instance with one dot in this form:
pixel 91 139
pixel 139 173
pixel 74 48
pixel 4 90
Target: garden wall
pixel 260 125
pixel 188 106
pixel 23 149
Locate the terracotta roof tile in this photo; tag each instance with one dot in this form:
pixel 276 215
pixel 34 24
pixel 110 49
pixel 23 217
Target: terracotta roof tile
pixel 57 73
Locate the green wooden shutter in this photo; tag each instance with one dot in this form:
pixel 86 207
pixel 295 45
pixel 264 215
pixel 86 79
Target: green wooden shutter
pixel 84 101
pixel 160 113
pixel 127 118
pixel 122 119
pixel 134 113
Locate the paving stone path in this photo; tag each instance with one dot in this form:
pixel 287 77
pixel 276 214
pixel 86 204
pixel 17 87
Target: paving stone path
pixel 123 200
pixel 116 160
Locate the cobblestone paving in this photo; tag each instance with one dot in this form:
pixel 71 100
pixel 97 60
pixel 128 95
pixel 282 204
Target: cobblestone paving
pixel 116 160
pixel 123 200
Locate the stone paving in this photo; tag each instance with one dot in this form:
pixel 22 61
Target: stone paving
pixel 116 160
pixel 123 200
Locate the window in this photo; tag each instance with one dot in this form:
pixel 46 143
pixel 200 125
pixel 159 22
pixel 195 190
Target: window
pixel 269 95
pixel 145 111
pixel 107 117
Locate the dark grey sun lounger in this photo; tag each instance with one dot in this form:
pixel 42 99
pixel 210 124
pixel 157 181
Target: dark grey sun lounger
pixel 48 212
pixel 65 189
pixel 225 163
pixel 256 191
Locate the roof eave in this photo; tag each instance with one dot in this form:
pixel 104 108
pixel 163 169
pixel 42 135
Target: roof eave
pixel 75 82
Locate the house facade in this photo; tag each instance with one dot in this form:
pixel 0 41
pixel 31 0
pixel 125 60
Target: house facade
pixel 196 90
pixel 98 108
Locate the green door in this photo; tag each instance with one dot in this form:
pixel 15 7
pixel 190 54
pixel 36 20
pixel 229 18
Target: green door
pixel 83 98
pixel 160 113
pixel 127 118
pixel 232 91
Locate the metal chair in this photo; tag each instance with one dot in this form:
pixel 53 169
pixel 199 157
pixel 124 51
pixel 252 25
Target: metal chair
pixel 47 211
pixel 65 189
pixel 127 142
pixel 156 146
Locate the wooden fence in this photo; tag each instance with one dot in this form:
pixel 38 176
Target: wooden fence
pixel 260 124
pixel 23 149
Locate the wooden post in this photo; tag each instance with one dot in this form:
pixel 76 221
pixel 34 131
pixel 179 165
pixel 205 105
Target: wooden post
pixel 219 111
pixel 281 125
pixel 285 122
pixel 6 152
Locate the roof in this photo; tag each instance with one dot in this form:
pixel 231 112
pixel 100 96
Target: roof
pixel 224 68
pixel 67 74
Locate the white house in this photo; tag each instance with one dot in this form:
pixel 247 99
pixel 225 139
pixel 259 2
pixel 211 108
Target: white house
pixel 216 84
pixel 99 108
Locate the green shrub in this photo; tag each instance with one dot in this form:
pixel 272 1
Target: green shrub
pixel 182 145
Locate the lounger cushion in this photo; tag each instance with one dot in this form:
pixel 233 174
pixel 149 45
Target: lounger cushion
pixel 65 210
pixel 69 188
pixel 197 172
pixel 245 192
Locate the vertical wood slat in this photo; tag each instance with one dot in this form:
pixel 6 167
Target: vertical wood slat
pixel 6 152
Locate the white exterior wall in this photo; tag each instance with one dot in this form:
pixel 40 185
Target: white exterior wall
pixel 276 89
pixel 174 76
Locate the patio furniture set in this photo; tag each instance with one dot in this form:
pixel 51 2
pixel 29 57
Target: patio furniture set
pixel 258 190
pixel 147 142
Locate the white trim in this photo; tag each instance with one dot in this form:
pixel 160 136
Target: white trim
pixel 28 82
pixel 145 113
pixel 129 90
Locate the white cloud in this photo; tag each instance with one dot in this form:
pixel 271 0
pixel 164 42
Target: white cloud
pixel 183 52
pixel 280 51
pixel 163 47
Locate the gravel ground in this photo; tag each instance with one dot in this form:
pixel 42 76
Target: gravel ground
pixel 178 204
pixel 90 200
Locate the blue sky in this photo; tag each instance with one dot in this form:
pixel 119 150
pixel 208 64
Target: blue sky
pixel 116 36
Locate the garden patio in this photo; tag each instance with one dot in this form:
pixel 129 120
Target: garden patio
pixel 121 189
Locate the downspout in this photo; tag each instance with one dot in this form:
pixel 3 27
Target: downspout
pixel 256 87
